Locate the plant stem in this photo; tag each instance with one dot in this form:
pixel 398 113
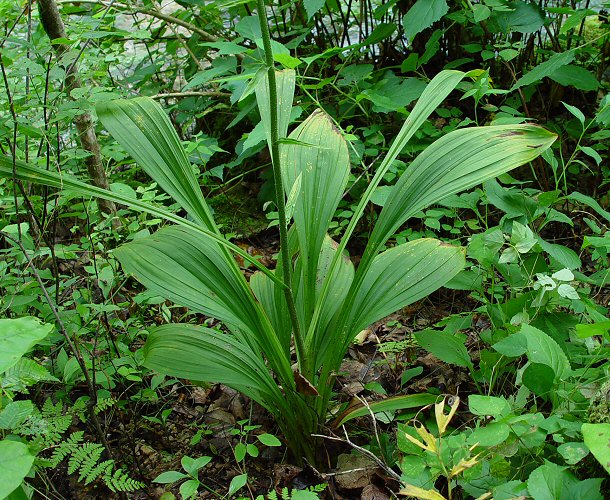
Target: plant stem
pixel 279 193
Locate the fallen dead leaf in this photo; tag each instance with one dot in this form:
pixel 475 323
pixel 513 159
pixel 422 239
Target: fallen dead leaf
pixel 354 471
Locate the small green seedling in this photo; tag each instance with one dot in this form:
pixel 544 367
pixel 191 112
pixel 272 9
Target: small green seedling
pixel 191 484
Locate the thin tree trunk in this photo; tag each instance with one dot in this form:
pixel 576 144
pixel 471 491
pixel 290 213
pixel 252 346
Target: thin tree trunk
pixel 54 28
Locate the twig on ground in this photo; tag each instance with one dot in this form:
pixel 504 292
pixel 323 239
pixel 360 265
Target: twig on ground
pixel 363 451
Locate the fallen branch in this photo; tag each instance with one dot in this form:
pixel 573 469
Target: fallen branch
pixel 363 451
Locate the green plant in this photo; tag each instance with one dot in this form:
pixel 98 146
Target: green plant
pixel 243 449
pixel 443 456
pixel 32 433
pixel 310 493
pixel 85 458
pixel 161 421
pixel 191 483
pixel 597 439
pixel 17 337
pixel 490 456
pixel 315 299
pixel 44 433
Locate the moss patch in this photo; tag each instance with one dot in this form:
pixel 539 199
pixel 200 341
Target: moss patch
pixel 238 212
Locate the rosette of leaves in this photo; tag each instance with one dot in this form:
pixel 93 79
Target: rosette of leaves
pixel 329 300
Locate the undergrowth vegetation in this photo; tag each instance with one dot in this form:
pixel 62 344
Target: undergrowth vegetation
pixel 308 249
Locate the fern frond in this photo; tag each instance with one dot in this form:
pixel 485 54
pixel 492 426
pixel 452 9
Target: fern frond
pixel 84 459
pixel 120 481
pixel 69 446
pixel 104 404
pixel 56 428
pixel 103 469
pixel 79 408
pixel 48 427
pixel 50 409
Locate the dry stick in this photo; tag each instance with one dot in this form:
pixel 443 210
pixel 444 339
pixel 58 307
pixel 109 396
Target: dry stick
pixel 104 314
pixel 345 21
pixel 372 414
pixel 13 143
pixel 54 28
pixel 7 31
pixel 72 345
pixel 197 62
pixel 363 451
pixel 46 143
pixel 171 21
pixel 44 140
pixel 208 37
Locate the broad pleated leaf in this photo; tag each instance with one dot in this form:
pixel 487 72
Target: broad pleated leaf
pixel 178 265
pixel 434 94
pixel 400 276
pixel 322 165
pixel 272 297
pixel 273 301
pixel 456 162
pixel 202 354
pixel 285 83
pixel 30 173
pixel 141 126
pixel 340 281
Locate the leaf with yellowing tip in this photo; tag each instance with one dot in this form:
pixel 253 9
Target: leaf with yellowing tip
pixel 439 413
pixel 414 491
pixel 464 464
pixel 442 420
pixel 427 437
pixel 142 127
pixel 417 442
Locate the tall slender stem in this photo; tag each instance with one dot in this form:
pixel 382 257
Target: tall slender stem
pixel 279 192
